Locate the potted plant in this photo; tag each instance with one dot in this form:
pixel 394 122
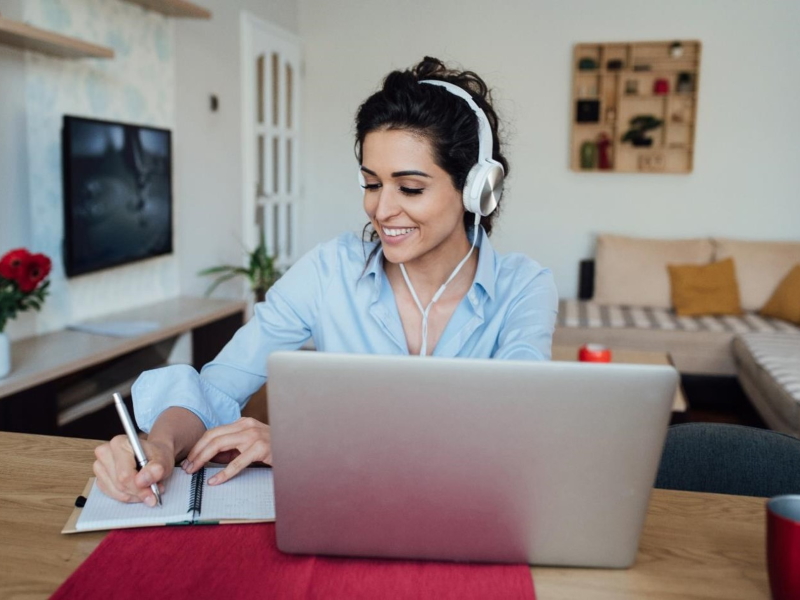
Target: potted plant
pixel 261 271
pixel 639 126
pixel 23 286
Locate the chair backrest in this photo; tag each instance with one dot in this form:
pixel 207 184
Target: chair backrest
pixel 729 459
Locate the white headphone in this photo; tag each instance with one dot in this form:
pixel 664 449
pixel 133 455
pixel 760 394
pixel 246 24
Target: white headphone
pixel 484 184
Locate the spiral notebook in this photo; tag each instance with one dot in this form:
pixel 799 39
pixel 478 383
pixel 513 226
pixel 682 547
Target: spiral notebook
pixel 187 500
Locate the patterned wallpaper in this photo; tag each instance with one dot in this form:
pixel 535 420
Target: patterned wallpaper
pixel 137 86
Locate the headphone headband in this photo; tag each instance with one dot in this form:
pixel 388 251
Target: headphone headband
pixel 484 129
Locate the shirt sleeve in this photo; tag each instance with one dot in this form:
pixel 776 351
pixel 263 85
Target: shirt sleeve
pixel 527 333
pixel 284 321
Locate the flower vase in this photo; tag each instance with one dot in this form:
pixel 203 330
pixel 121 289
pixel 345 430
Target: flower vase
pixel 5 355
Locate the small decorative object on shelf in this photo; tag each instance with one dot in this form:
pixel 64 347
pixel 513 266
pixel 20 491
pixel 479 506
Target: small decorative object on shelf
pixel 588 155
pixel 676 50
pixel 653 162
pixel 23 286
pixel 640 125
pixel 587 64
pixel 661 87
pixel 641 67
pixel 261 272
pixel 614 65
pixel 588 111
pixel 603 152
pixel 631 87
pixel 684 85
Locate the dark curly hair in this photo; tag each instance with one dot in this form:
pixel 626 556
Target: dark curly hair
pixel 445 120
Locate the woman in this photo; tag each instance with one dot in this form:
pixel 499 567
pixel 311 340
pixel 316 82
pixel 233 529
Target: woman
pixel 428 282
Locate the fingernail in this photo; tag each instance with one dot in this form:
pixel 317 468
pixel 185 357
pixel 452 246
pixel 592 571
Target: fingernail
pixel 150 501
pixel 146 478
pixel 184 462
pixel 188 466
pixel 213 480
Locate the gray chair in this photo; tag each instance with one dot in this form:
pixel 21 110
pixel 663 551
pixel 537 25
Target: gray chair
pixel 729 459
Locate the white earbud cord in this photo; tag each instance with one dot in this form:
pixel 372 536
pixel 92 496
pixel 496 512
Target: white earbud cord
pixel 440 291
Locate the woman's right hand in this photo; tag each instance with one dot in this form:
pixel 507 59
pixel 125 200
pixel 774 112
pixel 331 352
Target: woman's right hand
pixel 117 477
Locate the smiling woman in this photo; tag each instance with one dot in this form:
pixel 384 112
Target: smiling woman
pixel 432 172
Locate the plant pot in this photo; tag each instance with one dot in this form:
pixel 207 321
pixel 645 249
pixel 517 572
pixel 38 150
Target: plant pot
pixel 5 355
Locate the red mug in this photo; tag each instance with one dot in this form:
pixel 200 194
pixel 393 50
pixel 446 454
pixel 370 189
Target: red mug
pixel 594 353
pixel 783 546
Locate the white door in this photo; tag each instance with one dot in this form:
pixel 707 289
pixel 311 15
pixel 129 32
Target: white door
pixel 272 84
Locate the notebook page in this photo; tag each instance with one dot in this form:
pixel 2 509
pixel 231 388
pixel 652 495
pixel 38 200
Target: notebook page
pixel 249 495
pixel 102 512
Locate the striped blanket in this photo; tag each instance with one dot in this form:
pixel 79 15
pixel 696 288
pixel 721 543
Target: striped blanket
pixel 581 313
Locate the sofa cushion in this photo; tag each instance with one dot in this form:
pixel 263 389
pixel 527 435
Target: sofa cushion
pixel 633 271
pixel 760 266
pixel 785 301
pixel 705 289
pixel 769 369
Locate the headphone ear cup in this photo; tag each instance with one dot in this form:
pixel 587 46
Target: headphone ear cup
pixel 483 188
pixel 361 181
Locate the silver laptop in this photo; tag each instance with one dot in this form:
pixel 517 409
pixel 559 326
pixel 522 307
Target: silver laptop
pixel 548 463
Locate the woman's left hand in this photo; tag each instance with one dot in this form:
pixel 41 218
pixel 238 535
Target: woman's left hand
pixel 240 444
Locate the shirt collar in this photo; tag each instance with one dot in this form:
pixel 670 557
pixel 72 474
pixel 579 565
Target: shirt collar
pixel 484 276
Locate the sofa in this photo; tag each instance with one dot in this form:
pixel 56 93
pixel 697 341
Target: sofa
pixel 625 300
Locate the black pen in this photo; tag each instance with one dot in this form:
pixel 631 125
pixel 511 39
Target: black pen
pixel 130 431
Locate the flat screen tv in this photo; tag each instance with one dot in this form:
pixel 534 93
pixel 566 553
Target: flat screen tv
pixel 117 193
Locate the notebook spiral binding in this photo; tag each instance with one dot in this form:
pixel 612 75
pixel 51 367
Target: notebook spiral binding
pixel 196 492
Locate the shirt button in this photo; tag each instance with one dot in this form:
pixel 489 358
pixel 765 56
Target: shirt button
pixel 473 297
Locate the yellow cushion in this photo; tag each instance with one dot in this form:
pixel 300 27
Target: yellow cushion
pixel 785 301
pixel 705 289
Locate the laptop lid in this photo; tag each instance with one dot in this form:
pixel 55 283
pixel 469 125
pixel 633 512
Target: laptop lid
pixel 548 463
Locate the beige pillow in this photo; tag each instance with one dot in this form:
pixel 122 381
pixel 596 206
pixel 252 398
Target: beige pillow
pixel 760 267
pixel 633 271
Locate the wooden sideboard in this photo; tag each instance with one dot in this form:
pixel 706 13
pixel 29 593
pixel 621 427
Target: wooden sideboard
pixel 46 368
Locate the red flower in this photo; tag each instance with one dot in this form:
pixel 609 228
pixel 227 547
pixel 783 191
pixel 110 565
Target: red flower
pixel 36 269
pixel 13 264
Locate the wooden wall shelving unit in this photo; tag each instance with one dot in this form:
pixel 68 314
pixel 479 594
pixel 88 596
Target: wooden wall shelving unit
pixel 175 8
pixel 26 37
pixel 628 80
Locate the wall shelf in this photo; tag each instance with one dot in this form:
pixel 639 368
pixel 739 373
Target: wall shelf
pixel 647 90
pixel 21 35
pixel 175 8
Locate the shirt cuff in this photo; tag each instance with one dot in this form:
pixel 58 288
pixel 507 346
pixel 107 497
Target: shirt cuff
pixel 180 386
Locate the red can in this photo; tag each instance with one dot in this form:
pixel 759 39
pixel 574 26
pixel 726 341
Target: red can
pixel 594 353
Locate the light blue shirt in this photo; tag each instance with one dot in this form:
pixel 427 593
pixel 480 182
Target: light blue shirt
pixel 329 296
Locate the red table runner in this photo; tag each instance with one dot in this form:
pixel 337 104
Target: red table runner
pixel 242 561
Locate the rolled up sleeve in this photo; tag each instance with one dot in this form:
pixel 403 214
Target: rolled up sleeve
pixel 180 386
pixel 217 394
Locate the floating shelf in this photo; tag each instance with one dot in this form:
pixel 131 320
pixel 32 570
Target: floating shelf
pixel 175 8
pixel 21 35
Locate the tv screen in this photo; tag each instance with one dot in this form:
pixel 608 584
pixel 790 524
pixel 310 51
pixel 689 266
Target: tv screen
pixel 117 193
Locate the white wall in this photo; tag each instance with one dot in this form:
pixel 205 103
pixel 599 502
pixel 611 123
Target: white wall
pixel 14 217
pixel 746 179
pixel 209 144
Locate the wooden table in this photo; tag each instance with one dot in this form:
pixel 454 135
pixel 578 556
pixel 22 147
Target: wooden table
pixel 630 357
pixel 694 545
